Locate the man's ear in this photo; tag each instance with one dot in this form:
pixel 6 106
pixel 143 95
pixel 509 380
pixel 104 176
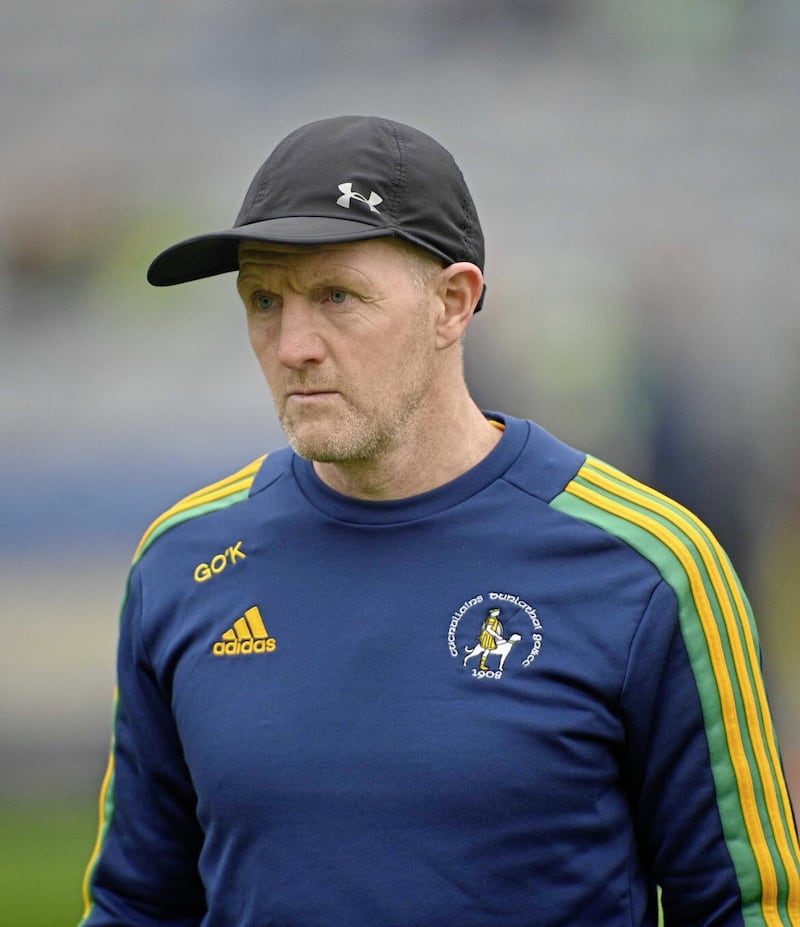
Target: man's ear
pixel 460 287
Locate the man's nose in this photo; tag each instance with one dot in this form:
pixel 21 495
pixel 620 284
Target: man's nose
pixel 300 341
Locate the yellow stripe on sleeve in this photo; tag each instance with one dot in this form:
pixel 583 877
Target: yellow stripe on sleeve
pixel 104 807
pixel 238 482
pixel 609 490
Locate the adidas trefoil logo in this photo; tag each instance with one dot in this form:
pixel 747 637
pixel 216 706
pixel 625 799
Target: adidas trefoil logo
pixel 248 635
pixel 346 189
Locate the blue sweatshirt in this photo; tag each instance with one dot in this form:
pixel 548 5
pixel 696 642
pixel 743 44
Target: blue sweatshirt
pixel 528 697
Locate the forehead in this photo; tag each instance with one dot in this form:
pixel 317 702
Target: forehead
pixel 349 264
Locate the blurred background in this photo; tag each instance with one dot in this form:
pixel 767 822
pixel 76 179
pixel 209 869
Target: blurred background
pixel 636 166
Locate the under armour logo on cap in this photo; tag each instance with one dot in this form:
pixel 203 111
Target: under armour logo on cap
pixel 347 189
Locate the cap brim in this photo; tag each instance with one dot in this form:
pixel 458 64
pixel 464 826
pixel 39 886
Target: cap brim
pixel 218 252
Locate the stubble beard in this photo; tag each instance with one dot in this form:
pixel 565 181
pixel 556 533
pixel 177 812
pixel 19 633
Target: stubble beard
pixel 359 433
pixel 365 430
pixel 349 440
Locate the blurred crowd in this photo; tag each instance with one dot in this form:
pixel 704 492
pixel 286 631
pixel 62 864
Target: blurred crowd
pixel 637 170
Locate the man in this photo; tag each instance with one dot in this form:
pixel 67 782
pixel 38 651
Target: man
pixel 299 738
pixel 491 640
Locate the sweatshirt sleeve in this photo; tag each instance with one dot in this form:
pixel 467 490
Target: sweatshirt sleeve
pixel 711 857
pixel 707 786
pixel 144 870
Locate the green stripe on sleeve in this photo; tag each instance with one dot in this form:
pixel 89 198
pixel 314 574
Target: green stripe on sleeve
pixel 720 636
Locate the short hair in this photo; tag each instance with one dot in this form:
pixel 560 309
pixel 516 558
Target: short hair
pixel 424 265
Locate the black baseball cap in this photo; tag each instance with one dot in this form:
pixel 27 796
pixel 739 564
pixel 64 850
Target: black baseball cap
pixel 348 178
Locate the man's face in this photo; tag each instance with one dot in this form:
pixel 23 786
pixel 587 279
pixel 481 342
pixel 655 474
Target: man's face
pixel 345 335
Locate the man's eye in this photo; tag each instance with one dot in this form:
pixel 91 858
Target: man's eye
pixel 338 296
pixel 264 301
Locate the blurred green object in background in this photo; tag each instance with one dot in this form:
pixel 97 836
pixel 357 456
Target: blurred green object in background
pixel 44 848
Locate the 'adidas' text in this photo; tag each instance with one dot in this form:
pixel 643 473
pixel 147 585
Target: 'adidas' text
pixel 247 636
pixel 233 648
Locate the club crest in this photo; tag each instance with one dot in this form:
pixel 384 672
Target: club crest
pixel 494 632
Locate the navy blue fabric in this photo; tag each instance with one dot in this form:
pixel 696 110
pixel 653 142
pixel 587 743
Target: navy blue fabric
pixel 360 772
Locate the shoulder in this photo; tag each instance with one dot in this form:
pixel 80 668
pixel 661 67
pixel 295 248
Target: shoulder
pixel 659 528
pixel 219 495
pixel 593 494
pixel 713 610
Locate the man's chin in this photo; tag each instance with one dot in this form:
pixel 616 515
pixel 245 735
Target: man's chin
pixel 317 447
pixel 339 448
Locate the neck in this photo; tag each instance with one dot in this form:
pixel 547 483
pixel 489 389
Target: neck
pixel 438 447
